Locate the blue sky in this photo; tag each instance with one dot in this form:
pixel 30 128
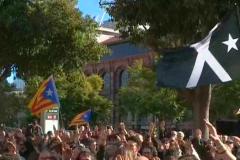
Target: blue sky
pixel 92 8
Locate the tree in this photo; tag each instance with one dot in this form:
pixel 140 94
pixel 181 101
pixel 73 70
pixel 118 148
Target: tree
pixel 11 103
pixel 225 101
pixel 142 98
pixel 77 93
pixel 38 36
pixel 166 24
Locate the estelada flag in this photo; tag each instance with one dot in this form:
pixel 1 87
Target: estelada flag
pixel 82 118
pixel 45 98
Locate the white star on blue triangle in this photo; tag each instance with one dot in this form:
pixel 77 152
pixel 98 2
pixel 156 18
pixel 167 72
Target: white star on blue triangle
pixel 51 93
pixel 231 43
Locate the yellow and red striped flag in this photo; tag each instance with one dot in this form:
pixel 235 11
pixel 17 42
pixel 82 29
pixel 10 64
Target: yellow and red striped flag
pixel 82 118
pixel 45 98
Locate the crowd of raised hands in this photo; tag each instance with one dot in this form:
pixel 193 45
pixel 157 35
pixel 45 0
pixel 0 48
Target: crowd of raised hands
pixel 108 143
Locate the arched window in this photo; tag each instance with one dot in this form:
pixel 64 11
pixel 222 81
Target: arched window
pixel 123 79
pixel 106 83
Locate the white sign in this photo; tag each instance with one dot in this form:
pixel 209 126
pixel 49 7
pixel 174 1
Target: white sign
pixel 48 126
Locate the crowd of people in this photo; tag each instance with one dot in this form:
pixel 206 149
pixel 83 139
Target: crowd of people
pixel 107 143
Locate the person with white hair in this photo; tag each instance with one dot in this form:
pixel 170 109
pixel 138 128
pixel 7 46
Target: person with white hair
pixel 180 135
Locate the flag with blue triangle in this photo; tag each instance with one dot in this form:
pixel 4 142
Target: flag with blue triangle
pixel 45 98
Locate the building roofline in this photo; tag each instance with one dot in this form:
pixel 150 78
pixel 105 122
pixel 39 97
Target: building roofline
pixel 110 30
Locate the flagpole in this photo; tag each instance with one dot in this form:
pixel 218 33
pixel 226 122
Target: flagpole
pixel 61 119
pixel 92 111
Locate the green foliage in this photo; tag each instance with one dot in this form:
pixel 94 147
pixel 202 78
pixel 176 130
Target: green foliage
pixel 225 100
pixel 39 36
pixel 165 23
pixel 168 24
pixel 77 93
pixel 142 97
pixel 11 103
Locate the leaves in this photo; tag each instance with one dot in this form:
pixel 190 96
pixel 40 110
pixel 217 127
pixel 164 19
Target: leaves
pixel 77 93
pixel 11 103
pixel 39 36
pixel 142 97
pixel 166 24
pixel 225 100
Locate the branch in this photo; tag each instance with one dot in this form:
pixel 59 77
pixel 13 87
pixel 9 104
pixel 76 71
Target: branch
pixel 105 3
pixel 6 70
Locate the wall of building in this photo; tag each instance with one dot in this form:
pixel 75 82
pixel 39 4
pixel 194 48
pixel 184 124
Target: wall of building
pixel 113 68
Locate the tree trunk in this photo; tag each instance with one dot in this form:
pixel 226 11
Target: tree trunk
pixel 201 103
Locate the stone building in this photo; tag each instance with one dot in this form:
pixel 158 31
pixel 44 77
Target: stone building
pixel 113 68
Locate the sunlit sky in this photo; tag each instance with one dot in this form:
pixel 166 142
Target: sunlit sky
pixel 92 8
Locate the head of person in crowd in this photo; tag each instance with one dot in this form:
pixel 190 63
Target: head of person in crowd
pixel 224 138
pixel 210 149
pixel 37 140
pixel 197 134
pixel 188 157
pixel 21 147
pixel 147 142
pixel 162 125
pixel 113 139
pixel 10 136
pixel 50 134
pixel 85 154
pixel 92 145
pixel 174 149
pixel 230 144
pixel 122 137
pixel 11 148
pixel 18 134
pixel 180 135
pixel 47 155
pixel 133 144
pixel 131 133
pixel 66 136
pixel 109 130
pixel 112 150
pixel 87 127
pixel 124 153
pixel 96 129
pixel 139 137
pixel 2 135
pixel 84 135
pixel 121 128
pixel 170 157
pixel 55 145
pixel 35 123
pixel 149 152
pixel 166 144
pixel 81 128
pixel 173 135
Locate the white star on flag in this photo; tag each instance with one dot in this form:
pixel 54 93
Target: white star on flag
pixel 231 43
pixel 49 92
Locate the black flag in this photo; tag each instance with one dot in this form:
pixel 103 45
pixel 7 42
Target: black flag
pixel 215 59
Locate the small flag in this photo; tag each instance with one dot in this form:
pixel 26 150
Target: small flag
pixel 45 98
pixel 213 60
pixel 82 118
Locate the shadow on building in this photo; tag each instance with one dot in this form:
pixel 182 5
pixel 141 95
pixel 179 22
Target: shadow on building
pixel 113 68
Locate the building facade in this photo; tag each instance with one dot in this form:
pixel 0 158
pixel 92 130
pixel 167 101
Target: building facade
pixel 113 68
